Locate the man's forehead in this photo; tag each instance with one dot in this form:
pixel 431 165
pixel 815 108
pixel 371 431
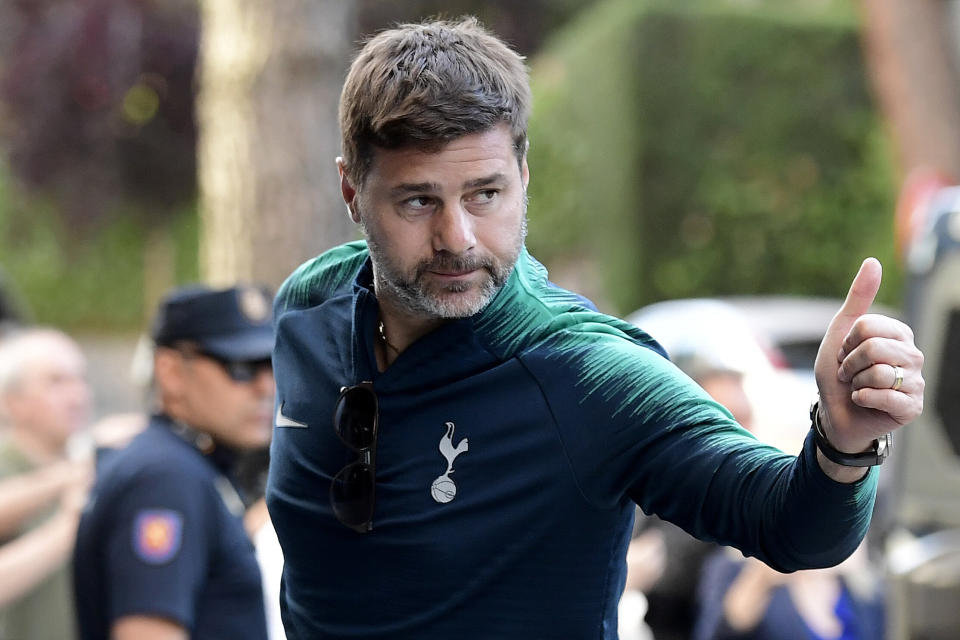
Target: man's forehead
pixel 64 362
pixel 470 158
pixel 41 376
pixel 492 179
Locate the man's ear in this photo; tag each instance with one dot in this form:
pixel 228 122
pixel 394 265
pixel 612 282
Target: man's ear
pixel 524 172
pixel 168 371
pixel 348 191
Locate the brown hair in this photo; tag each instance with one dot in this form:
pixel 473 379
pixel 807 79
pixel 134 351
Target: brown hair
pixel 426 84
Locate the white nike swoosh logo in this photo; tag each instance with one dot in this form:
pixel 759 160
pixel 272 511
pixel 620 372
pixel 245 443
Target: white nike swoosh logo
pixel 284 421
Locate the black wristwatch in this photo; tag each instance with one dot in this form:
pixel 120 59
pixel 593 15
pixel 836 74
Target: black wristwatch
pixel 876 455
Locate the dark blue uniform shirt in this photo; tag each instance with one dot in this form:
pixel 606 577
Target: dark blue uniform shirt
pixel 163 536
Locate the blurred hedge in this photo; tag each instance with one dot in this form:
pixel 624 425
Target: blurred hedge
pixel 692 148
pixel 92 278
pixel 709 148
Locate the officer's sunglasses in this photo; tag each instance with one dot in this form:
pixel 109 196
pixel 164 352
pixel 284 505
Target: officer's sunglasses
pixel 237 370
pixel 355 419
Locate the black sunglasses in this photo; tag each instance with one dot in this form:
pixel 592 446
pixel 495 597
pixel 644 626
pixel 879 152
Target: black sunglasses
pixel 237 370
pixel 355 419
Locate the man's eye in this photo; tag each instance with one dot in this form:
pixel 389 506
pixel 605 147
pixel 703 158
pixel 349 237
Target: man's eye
pixel 417 203
pixel 485 196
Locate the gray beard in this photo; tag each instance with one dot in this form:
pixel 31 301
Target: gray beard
pixel 416 297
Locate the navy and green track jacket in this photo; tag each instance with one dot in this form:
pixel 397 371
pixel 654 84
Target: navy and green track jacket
pixel 512 448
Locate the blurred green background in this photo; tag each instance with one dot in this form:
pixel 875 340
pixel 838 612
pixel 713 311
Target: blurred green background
pixel 718 150
pixel 677 149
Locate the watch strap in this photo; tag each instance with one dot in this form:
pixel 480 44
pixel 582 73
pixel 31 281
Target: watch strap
pixel 876 455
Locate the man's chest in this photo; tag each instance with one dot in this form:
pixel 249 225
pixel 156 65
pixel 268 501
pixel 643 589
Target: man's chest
pixel 436 447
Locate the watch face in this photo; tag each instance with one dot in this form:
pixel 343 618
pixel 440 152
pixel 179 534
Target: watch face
pixel 883 446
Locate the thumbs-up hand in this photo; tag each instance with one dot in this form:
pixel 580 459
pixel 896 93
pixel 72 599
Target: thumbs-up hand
pixel 867 370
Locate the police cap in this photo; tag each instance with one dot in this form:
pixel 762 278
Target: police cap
pixel 233 324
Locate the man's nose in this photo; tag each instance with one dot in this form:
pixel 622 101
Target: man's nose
pixel 453 230
pixel 263 382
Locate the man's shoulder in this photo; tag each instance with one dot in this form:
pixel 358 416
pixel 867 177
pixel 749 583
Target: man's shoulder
pixel 155 455
pixel 594 348
pixel 321 277
pixel 532 314
pixel 601 363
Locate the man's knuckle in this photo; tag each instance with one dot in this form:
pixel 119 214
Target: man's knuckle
pixel 907 333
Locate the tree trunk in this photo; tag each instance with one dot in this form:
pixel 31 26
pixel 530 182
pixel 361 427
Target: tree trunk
pixel 910 51
pixel 270 78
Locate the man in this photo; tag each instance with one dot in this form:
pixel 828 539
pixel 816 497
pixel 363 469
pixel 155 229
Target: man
pixel 491 433
pixel 161 549
pixel 44 400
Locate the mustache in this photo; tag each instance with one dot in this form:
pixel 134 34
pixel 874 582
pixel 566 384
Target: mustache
pixel 446 261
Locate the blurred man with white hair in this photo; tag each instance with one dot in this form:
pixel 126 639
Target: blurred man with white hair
pixel 44 400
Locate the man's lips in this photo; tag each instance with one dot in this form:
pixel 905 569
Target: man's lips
pixel 452 274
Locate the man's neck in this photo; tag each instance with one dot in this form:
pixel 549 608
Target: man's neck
pixel 35 449
pixel 398 329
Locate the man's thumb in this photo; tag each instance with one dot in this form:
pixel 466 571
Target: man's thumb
pixel 863 290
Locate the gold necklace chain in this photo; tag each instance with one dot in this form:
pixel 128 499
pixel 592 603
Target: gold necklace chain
pixel 383 336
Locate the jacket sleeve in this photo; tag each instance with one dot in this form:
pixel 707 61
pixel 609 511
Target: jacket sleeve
pixel 635 427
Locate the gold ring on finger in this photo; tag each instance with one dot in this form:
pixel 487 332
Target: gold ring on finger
pixel 897 378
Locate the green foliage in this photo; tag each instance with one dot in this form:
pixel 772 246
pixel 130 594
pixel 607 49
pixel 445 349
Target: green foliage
pixel 687 148
pixel 707 149
pixel 86 279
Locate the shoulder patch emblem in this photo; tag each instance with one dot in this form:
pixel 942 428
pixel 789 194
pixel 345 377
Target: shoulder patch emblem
pixel 157 535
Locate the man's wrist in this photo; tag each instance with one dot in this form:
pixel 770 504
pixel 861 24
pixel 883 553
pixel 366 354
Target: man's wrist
pixel 874 454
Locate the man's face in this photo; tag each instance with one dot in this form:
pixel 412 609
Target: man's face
pixel 51 398
pixel 444 228
pixel 235 413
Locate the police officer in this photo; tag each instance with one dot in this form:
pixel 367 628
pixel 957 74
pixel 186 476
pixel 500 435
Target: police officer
pixel 161 549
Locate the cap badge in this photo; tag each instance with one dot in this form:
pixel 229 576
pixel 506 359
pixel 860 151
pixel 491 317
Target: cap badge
pixel 254 305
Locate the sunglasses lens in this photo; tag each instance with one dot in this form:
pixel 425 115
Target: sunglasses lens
pixel 246 370
pixel 355 417
pixel 351 495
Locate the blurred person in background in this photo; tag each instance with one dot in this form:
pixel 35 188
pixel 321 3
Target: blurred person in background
pixel 45 399
pixel 732 597
pixel 664 561
pixel 161 551
pixel 460 445
pixel 743 599
pixel 739 598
